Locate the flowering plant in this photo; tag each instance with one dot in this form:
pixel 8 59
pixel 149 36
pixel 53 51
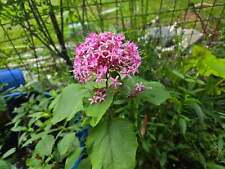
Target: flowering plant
pixel 105 57
pixel 108 96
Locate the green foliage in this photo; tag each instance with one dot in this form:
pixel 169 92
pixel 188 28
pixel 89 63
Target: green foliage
pixel 106 132
pixel 183 125
pixel 44 146
pixel 107 147
pixel 33 121
pixel 2 105
pixel 4 165
pixel 211 165
pixel 34 163
pixel 154 92
pixel 69 142
pixel 69 102
pixel 85 164
pixel 8 153
pixel 72 158
pixel 206 63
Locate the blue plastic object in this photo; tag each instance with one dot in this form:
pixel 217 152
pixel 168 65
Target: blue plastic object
pixel 82 135
pixel 77 162
pixel 11 78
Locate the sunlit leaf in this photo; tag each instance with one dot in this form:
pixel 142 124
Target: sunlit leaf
pixel 45 146
pixel 4 165
pixel 183 125
pixel 69 103
pixel 9 153
pixel 112 145
pixel 206 63
pixel 68 143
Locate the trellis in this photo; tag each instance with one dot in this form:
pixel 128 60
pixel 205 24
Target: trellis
pixel 84 16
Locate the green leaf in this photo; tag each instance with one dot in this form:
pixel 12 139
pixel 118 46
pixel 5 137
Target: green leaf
pixel 33 162
pixel 178 74
pixel 45 145
pixel 220 145
pixel 3 106
pixel 97 111
pixel 85 164
pixel 196 155
pixel 69 102
pixel 198 111
pixel 68 143
pixel 4 165
pixel 163 159
pixel 112 145
pixel 206 63
pixel 47 166
pixel 154 92
pixel 212 165
pixel 183 125
pixel 9 153
pixel 72 158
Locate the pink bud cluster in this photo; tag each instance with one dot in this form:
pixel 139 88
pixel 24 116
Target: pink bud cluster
pixel 139 87
pixel 104 53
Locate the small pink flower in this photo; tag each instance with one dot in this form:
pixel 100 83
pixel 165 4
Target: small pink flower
pixel 93 100
pixel 115 83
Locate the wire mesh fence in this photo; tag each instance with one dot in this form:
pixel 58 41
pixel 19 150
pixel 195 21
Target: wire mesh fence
pixel 39 36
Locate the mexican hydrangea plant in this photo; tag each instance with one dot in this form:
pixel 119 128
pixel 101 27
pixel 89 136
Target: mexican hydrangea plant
pixel 108 95
pixel 105 57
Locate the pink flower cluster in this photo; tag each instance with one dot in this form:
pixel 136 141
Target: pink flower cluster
pixel 98 97
pixel 104 53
